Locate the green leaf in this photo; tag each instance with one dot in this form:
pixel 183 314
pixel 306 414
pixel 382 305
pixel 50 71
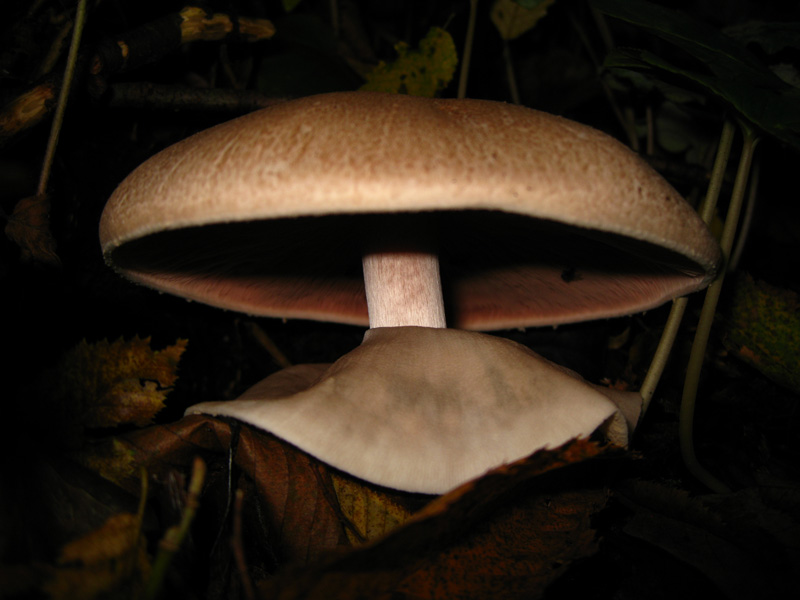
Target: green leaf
pixel 290 5
pixel 514 17
pixel 725 68
pixel 422 72
pixel 763 329
pixel 771 37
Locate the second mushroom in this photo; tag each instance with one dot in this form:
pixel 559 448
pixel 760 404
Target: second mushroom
pixel 462 215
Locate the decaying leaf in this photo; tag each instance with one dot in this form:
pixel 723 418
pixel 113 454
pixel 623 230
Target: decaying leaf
pixel 29 227
pixel 110 384
pixel 763 329
pixel 506 535
pixel 371 512
pixel 112 558
pixel 422 72
pixel 292 502
pixel 512 19
pixel 112 459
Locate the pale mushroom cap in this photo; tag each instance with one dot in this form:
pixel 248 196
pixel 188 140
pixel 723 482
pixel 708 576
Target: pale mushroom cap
pixel 540 220
pixel 425 409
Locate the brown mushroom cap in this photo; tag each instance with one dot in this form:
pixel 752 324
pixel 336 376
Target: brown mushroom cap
pixel 539 220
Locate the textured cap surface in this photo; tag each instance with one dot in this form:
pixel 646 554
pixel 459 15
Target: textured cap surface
pixel 540 220
pixel 425 409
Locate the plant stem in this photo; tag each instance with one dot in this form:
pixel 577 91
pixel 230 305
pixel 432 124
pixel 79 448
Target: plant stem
pixel 661 356
pixel 673 323
pixel 63 96
pixel 513 89
pixel 175 535
pixel 700 343
pixel 465 59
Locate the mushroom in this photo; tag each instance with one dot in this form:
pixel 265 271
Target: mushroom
pixel 344 207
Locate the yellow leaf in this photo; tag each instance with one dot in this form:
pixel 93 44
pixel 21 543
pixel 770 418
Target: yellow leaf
pixel 370 511
pixel 109 384
pixel 512 20
pixel 110 558
pixel 112 459
pixel 422 72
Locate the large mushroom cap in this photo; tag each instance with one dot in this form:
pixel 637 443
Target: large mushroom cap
pixel 540 220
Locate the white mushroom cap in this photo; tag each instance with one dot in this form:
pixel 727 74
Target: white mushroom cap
pixel 425 409
pixel 540 220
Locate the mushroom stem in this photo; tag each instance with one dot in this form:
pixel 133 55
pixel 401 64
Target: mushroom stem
pixel 401 276
pixel 403 288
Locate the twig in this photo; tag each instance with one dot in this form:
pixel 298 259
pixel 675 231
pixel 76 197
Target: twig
pixel 467 56
pixel 175 97
pixel 238 549
pixel 262 338
pixel 61 107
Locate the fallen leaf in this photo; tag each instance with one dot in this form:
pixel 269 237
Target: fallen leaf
pixel 291 493
pixel 111 458
pixel 29 227
pixel 371 512
pixel 510 533
pixel 110 384
pixel 111 558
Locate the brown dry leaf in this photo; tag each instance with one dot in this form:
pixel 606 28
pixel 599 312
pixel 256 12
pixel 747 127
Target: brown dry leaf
pixel 111 558
pixel 29 227
pixel 295 502
pixel 508 534
pixel 110 384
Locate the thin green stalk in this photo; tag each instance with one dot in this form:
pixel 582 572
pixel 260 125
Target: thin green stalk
pixel 709 204
pixel 61 107
pixel 175 535
pixel 465 59
pixel 673 323
pixel 661 356
pixel 700 343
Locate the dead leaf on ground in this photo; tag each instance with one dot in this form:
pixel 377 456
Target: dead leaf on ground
pixel 111 558
pixel 107 384
pixel 29 227
pixel 511 532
